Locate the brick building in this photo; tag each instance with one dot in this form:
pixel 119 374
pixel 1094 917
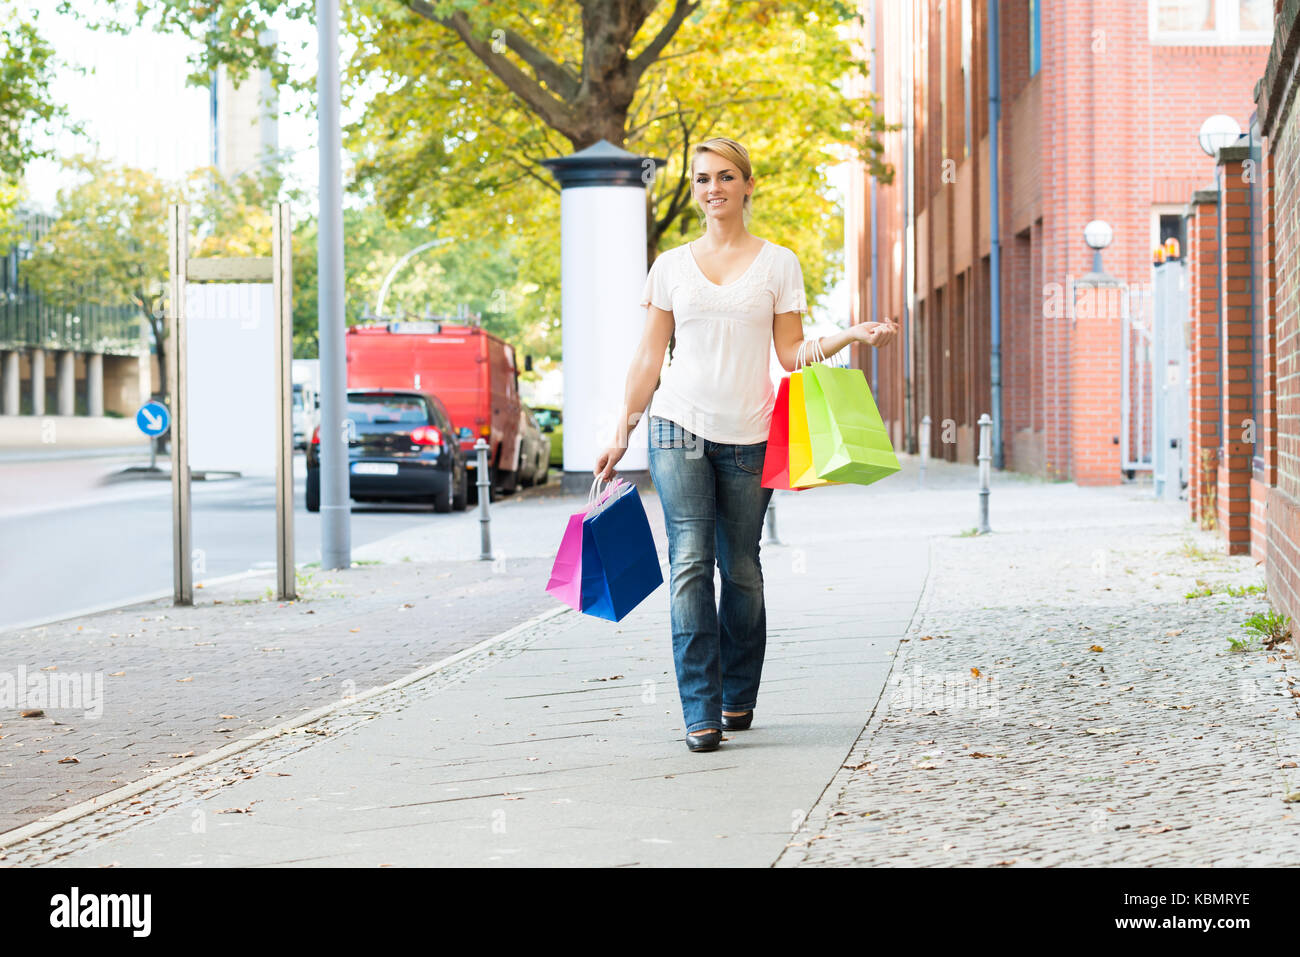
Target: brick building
pixel 1100 105
pixel 1244 313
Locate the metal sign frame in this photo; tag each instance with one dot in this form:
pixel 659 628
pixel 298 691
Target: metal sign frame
pixel 277 270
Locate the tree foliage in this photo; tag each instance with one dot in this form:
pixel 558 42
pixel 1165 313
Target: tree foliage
pixel 109 244
pixel 27 111
pixel 463 99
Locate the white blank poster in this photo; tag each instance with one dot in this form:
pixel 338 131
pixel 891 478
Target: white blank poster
pixel 231 377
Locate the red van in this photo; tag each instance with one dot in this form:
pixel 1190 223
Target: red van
pixel 472 371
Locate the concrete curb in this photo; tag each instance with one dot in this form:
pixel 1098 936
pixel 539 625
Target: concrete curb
pixel 66 816
pixel 816 821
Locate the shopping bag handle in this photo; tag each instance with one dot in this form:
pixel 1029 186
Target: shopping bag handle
pixel 809 348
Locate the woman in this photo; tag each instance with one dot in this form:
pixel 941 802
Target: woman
pixel 729 296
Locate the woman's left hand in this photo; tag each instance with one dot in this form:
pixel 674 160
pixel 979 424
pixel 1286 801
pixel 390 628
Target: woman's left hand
pixel 876 333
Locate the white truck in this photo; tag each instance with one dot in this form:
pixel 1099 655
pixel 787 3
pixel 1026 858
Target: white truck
pixel 306 400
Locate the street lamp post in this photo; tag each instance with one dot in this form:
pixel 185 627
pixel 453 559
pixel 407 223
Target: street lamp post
pixel 335 509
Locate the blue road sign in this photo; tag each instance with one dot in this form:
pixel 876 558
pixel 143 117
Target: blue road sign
pixel 153 418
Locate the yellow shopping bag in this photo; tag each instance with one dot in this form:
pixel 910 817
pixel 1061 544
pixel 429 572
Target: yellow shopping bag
pixel 803 473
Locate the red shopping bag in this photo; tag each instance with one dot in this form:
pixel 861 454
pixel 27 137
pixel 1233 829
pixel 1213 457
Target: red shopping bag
pixel 776 463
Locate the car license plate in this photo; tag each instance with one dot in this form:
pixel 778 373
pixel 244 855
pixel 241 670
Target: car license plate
pixel 374 468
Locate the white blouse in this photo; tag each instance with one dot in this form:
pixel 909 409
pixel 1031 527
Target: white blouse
pixel 718 384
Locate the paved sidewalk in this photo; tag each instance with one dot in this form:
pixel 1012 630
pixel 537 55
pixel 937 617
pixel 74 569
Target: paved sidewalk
pixel 561 742
pixel 560 745
pixel 1059 701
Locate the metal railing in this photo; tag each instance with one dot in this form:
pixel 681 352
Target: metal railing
pixel 28 321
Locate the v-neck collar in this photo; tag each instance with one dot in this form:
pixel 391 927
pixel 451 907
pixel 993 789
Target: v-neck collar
pixel 691 253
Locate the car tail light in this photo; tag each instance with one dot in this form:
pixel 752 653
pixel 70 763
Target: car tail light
pixel 426 435
pixel 485 431
pixel 315 436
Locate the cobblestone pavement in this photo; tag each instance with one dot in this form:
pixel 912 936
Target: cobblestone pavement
pixel 1059 701
pixel 179 682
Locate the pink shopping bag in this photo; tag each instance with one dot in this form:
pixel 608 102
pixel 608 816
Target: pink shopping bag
pixel 566 572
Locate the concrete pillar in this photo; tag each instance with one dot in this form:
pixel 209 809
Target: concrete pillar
pixel 95 384
pixel 9 400
pixel 65 379
pixel 602 272
pixel 38 382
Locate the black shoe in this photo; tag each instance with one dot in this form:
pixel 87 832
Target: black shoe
pixel 704 741
pixel 740 722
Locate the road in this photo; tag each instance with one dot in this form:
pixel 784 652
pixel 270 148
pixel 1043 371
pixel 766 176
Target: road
pixel 69 543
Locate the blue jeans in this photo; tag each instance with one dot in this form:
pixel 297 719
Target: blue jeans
pixel 714 506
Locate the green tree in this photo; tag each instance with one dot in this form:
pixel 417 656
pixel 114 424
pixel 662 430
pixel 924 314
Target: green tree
pixel 27 111
pixel 479 274
pixel 472 95
pixel 109 244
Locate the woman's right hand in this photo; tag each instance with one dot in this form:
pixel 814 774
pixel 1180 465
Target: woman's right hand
pixel 604 469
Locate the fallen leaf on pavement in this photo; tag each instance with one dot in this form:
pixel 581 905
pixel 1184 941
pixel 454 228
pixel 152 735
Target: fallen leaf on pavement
pixel 1286 764
pixel 1156 830
pixel 187 754
pixel 1104 730
pixel 1096 648
pixel 117 674
pixel 227 717
pixel 34 713
pixel 975 672
pixel 1174 634
pixel 69 760
pixel 179 680
pixel 51 668
pixel 978 754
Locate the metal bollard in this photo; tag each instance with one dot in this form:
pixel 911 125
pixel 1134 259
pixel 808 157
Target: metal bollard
pixel 484 483
pixel 772 538
pixel 986 430
pixel 925 445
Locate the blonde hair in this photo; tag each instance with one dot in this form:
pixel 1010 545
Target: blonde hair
pixel 733 153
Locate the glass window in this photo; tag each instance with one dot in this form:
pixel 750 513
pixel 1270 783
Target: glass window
pixel 1257 15
pixel 381 413
pixel 1228 22
pixel 1183 16
pixel 1035 36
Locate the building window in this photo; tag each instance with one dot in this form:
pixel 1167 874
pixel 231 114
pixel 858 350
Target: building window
pixel 1035 36
pixel 1212 22
pixel 967 42
pixel 943 79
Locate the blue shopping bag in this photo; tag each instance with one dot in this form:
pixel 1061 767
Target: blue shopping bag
pixel 619 564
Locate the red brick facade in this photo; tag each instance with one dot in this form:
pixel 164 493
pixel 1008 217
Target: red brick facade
pixel 1278 284
pixel 1105 129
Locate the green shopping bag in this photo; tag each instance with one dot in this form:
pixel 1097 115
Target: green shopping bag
pixel 849 441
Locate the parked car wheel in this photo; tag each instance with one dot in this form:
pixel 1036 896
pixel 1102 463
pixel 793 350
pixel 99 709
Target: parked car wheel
pixel 460 500
pixel 510 480
pixel 442 500
pixel 313 490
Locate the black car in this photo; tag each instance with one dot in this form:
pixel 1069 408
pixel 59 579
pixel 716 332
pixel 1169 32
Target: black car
pixel 401 446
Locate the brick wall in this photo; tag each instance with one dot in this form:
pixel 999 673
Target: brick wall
pixel 1280 122
pixel 1106 129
